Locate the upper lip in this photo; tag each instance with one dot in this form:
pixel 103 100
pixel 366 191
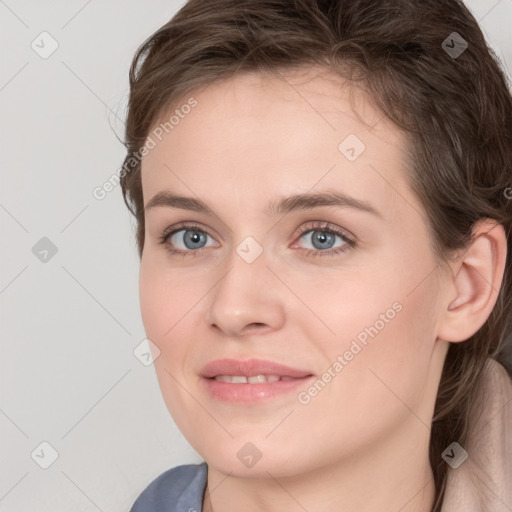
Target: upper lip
pixel 250 368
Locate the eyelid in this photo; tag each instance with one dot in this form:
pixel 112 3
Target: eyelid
pixel 190 226
pixel 320 225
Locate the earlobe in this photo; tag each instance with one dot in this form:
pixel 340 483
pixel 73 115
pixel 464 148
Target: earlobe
pixel 475 282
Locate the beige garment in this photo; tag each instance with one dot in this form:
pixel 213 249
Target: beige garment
pixel 483 482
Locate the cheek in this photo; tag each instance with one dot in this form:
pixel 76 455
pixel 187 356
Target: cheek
pixel 165 312
pixel 153 306
pixel 384 329
pixel 384 377
pixel 170 310
pixel 158 307
pixel 159 297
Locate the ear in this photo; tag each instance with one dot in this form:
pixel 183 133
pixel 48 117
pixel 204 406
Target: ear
pixel 476 278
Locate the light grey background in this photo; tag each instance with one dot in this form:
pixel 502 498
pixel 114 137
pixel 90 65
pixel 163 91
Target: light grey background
pixel 68 374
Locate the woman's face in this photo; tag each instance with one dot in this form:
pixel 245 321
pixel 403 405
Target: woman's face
pixel 347 293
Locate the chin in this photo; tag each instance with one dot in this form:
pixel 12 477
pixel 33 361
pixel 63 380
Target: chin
pixel 245 460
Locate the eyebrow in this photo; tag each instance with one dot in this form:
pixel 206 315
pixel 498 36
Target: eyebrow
pixel 295 202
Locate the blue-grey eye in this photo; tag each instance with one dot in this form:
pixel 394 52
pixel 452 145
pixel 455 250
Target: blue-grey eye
pixel 322 239
pixel 191 238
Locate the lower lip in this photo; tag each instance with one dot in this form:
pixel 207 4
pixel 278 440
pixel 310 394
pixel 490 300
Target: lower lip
pixel 252 393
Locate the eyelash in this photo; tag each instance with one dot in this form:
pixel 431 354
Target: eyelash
pixel 323 227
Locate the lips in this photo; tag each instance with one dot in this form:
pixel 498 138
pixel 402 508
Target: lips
pixel 251 382
pixel 251 371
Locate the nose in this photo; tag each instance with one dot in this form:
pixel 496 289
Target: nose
pixel 248 299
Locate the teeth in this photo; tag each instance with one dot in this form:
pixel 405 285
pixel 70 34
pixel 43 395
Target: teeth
pixel 256 379
pixel 239 379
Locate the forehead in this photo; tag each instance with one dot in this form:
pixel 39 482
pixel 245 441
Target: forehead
pixel 262 134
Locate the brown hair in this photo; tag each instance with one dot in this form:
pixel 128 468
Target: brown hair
pixel 455 109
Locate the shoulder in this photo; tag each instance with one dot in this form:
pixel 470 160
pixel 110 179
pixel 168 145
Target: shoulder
pixel 179 489
pixel 473 484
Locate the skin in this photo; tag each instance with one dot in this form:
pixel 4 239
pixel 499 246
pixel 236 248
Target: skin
pixel 362 442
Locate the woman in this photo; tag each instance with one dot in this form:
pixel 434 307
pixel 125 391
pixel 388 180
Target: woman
pixel 377 135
